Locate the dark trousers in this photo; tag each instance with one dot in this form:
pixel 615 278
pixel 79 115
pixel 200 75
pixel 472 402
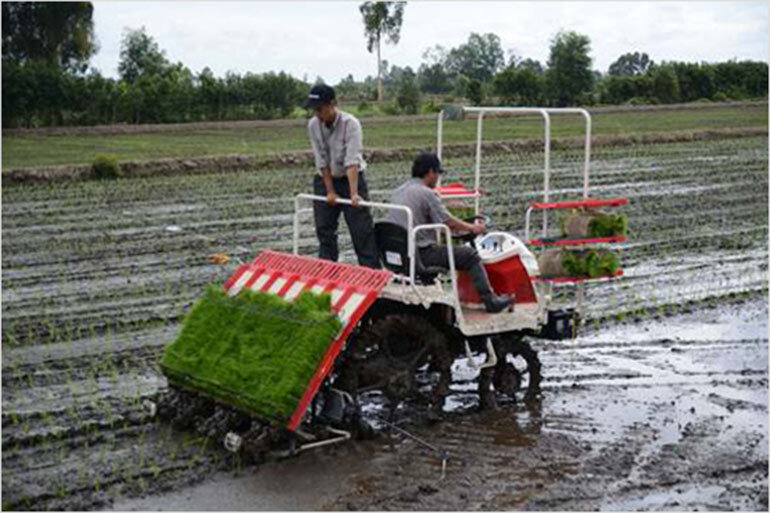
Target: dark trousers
pixel 436 255
pixel 359 222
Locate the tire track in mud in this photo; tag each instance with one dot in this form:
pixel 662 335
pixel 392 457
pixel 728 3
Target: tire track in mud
pixel 627 421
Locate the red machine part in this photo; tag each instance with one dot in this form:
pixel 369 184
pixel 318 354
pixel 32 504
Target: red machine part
pixel 508 276
pixel 353 289
pixel 454 189
pixel 609 202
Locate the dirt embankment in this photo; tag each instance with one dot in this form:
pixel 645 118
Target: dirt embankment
pixel 247 124
pixel 216 163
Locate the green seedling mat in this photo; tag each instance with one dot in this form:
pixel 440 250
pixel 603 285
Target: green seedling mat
pixel 254 351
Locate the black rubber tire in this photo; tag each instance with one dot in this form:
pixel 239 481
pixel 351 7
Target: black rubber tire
pixel 503 379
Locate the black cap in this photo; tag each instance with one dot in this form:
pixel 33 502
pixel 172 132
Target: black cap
pixel 424 163
pixel 319 95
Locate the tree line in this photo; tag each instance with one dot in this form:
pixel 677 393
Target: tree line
pixel 46 80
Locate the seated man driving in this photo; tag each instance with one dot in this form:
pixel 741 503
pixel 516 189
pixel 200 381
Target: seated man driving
pixel 419 195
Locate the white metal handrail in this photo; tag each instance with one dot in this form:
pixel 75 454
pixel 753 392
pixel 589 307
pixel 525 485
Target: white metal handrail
pixel 411 235
pixel 545 113
pixel 374 204
pixel 440 227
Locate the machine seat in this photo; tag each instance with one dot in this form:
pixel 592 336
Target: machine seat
pixel 392 248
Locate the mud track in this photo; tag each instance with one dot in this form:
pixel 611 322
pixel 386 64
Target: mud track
pixel 97 275
pixel 653 415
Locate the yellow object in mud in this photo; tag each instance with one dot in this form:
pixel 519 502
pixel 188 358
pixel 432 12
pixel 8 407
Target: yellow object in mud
pixel 218 258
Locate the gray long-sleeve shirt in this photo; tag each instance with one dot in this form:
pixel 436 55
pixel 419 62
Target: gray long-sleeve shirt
pixel 337 146
pixel 426 208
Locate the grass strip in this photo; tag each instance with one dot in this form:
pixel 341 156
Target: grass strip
pixel 33 149
pixel 254 351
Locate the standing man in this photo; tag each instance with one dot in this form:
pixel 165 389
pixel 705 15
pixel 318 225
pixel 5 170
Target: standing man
pixel 419 195
pixel 336 139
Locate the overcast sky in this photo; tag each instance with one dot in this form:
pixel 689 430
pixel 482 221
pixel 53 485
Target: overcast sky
pixel 327 39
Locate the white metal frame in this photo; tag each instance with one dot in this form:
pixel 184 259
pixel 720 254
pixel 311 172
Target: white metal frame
pixel 545 113
pixel 411 236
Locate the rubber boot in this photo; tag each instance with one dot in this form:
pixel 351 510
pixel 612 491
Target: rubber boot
pixel 492 302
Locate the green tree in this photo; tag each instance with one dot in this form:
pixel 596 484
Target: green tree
pixel 381 19
pixel 211 95
pixel 519 86
pixel 617 89
pixel 434 78
pixel 569 75
pixel 475 91
pixel 479 58
pixel 531 65
pixel 408 95
pixel 59 34
pixel 665 85
pixel 631 64
pixel 696 80
pixel 140 55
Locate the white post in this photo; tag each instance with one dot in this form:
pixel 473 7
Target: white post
pixel 587 161
pixel 440 137
pixel 547 170
pixel 295 235
pixel 477 181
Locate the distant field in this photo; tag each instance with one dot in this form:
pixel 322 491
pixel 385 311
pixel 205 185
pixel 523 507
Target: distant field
pixel 41 150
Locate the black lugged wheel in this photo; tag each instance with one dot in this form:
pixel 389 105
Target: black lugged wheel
pixel 401 355
pixel 517 373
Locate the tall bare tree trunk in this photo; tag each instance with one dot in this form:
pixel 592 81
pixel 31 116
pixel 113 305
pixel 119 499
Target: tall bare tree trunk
pixel 379 73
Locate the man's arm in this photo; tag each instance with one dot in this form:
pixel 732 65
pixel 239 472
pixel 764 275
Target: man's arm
pixel 440 214
pixel 353 146
pixel 326 177
pixel 352 172
pixel 459 225
pixel 322 164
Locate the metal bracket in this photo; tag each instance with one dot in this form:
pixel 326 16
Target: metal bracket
pixel 233 442
pixel 150 407
pixel 343 435
pixel 491 359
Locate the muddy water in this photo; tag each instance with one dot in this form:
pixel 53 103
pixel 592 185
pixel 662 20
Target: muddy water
pixel 97 275
pixel 661 414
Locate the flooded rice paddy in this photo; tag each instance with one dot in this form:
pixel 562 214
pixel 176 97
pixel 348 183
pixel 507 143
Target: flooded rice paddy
pixel 661 403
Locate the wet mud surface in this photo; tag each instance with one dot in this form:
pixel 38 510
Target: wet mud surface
pixel 666 414
pixel 97 275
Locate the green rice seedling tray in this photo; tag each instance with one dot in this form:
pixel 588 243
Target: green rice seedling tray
pixel 253 351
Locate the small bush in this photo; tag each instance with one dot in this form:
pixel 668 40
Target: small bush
pixel 364 106
pixel 106 167
pixel 475 92
pixel 721 97
pixel 639 100
pixel 430 107
pixel 390 109
pixel 408 95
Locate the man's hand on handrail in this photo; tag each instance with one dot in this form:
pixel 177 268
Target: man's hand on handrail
pixel 331 198
pixel 463 228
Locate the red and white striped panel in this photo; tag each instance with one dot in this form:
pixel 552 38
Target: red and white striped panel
pixel 287 275
pixel 353 290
